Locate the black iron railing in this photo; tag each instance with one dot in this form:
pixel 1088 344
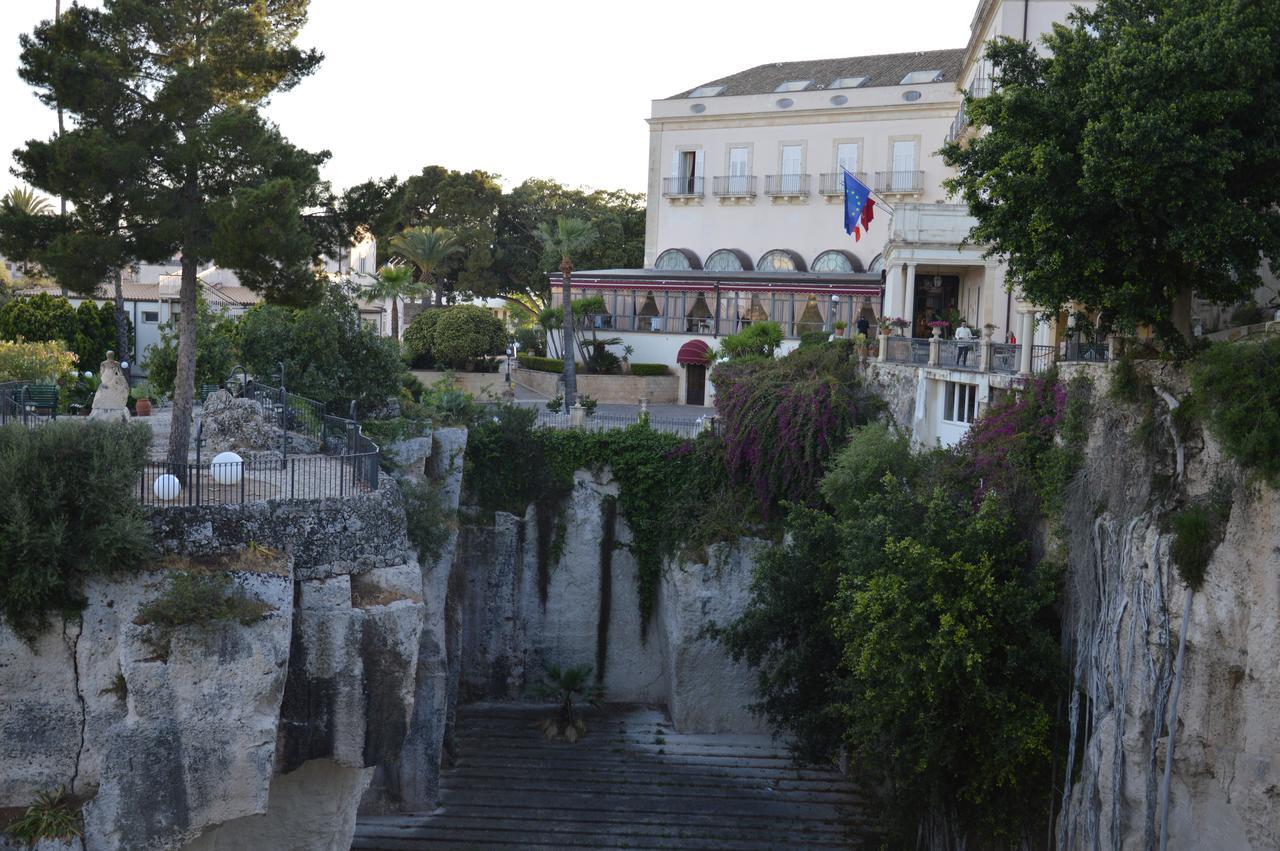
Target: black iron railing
pixel 786 184
pixel 682 187
pixel 899 181
pixel 734 186
pixel 1005 356
pixel 259 478
pixel 958 355
pixel 1089 352
pixel 833 183
pixel 1042 358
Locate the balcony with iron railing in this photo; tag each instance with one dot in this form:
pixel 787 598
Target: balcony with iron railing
pixel 682 187
pixel 786 185
pixel 734 186
pixel 900 182
pixel 833 182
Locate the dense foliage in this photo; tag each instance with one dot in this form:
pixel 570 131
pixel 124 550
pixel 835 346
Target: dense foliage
pixel 24 361
pixel 908 624
pixel 418 342
pixel 759 339
pixel 538 364
pixel 328 353
pixel 67 511
pixel 650 370
pixel 782 420
pixel 88 331
pixel 1133 159
pixel 1238 387
pixel 217 349
pixel 466 333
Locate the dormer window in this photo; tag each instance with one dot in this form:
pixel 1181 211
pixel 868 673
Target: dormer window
pixel 917 77
pixel 794 86
pixel 847 82
pixel 706 91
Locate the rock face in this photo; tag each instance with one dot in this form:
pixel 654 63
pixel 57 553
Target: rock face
pixel 590 614
pixel 236 424
pixel 1125 606
pixel 259 735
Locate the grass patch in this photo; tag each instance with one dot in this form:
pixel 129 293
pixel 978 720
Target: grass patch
pixel 1198 529
pixel 197 599
pixel 52 816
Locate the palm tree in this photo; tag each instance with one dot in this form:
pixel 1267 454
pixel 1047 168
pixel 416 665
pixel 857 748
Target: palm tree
pixel 392 284
pixel 427 248
pixel 25 200
pixel 567 238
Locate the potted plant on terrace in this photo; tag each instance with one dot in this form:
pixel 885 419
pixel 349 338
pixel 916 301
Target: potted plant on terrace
pixel 141 396
pixel 840 326
pixel 899 324
pixel 938 326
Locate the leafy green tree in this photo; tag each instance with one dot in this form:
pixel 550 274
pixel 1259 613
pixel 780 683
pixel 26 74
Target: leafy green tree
pixel 465 333
pixel 1136 162
pixel 88 331
pixel 164 97
pixel 429 250
pixel 565 239
pixel 329 353
pixel 217 349
pixel 418 345
pixel 392 284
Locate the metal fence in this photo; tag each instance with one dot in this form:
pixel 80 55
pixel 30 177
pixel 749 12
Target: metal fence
pixel 957 355
pixel 907 350
pixel 1088 352
pixel 258 478
pixel 1042 358
pixel 18 406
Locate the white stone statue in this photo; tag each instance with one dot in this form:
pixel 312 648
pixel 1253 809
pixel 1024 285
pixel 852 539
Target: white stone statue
pixel 111 401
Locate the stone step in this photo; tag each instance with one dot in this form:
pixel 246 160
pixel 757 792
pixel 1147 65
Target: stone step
pixel 623 765
pixel 634 776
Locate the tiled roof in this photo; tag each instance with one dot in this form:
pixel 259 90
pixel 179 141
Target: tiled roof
pixel 885 70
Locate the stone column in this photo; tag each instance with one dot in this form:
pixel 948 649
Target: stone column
pixel 892 291
pixel 935 349
pixel 909 300
pixel 1027 320
pixel 577 416
pixel 883 354
pixel 984 350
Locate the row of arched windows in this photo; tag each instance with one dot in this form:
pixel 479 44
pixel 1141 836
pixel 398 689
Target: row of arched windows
pixel 776 260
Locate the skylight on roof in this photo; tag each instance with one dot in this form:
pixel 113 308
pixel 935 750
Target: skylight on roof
pixel 794 86
pixel 847 82
pixel 706 91
pixel 916 77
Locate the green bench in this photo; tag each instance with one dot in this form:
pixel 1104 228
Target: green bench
pixel 40 398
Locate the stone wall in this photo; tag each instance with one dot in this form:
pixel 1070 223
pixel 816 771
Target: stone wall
pixel 609 389
pixel 247 735
pixel 590 614
pixel 1125 604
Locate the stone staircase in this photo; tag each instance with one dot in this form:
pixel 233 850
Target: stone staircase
pixel 632 782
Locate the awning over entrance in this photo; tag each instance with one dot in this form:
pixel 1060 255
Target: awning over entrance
pixel 695 352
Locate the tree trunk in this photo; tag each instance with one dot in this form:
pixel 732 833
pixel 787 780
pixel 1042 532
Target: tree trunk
pixel 123 349
pixel 570 378
pixel 184 385
pixel 439 293
pixel 395 319
pixel 1182 313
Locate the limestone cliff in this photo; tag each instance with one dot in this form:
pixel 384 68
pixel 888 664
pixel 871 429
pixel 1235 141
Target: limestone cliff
pixel 1124 607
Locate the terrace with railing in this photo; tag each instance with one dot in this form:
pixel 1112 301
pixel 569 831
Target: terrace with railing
pixel 979 355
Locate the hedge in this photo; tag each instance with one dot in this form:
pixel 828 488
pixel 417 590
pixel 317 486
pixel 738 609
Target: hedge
pixel 538 364
pixel 649 369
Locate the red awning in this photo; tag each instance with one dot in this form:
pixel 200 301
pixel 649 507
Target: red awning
pixel 694 351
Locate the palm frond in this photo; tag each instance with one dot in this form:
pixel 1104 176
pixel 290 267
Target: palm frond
pixel 567 237
pixel 24 199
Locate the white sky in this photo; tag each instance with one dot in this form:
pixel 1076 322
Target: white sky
pixel 528 88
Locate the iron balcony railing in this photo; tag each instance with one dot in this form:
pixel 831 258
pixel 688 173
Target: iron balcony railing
pixel 979 87
pixel 907 350
pixel 786 184
pixel 682 187
pixel 734 186
pixel 832 183
pixel 1042 358
pixel 899 181
pixel 1004 357
pixel 958 125
pixel 256 479
pixel 958 354
pixel 1090 352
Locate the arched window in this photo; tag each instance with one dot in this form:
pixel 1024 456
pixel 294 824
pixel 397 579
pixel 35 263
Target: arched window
pixel 836 260
pixel 728 260
pixel 877 264
pixel 780 260
pixel 677 260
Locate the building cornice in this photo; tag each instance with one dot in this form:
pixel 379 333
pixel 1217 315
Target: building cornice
pixel 888 112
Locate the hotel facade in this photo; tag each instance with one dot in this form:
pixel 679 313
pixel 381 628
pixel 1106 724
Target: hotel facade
pixel 745 210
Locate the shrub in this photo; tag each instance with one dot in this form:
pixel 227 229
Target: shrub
pixel 217 349
pixel 45 361
pixel 813 338
pixel 873 452
pixel 428 522
pixel 1248 313
pixel 588 404
pixel 67 510
pixel 197 599
pixel 50 817
pixel 532 340
pixel 650 369
pixel 555 404
pixel 759 339
pixel 88 331
pixel 466 333
pixel 538 364
pixel 329 353
pixel 1198 529
pixel 1237 385
pixel 417 342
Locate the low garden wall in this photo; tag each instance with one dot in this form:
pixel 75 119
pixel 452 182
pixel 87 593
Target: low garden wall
pixel 609 389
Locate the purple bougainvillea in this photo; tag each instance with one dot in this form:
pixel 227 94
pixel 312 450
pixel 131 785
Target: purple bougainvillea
pixel 1008 437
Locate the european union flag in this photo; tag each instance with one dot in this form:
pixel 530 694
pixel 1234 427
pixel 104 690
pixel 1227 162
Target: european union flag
pixel 858 206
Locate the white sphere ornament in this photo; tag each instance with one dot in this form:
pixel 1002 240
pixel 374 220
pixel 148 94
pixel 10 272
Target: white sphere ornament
pixel 167 487
pixel 227 468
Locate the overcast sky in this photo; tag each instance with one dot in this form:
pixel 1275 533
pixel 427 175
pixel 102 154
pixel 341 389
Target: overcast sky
pixel 554 88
